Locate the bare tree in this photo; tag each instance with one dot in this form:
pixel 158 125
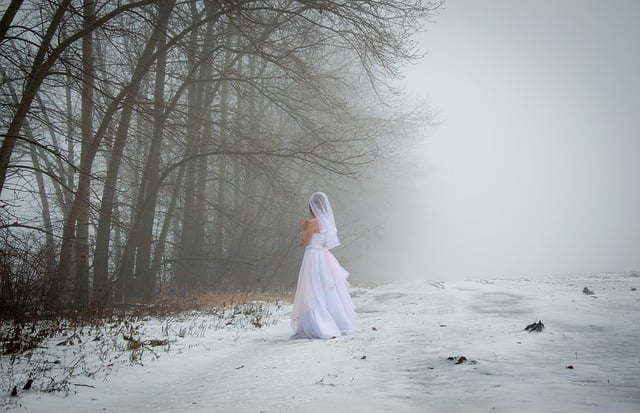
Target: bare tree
pixel 177 136
pixel 46 57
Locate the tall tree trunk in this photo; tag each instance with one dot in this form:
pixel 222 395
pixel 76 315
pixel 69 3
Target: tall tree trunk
pixel 202 170
pixel 166 225
pixel 81 283
pixel 55 296
pixel 201 267
pixel 188 243
pixel 50 246
pixel 70 173
pixel 224 125
pixel 142 229
pixel 106 207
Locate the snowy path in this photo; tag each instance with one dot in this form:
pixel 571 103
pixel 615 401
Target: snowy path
pixel 397 358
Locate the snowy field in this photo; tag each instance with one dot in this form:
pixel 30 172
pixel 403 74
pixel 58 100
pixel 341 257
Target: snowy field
pixel 398 360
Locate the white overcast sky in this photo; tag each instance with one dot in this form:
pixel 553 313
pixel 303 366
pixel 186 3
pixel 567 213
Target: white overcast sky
pixel 536 166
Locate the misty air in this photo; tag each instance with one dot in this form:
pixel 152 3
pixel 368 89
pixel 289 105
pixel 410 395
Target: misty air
pixel 367 206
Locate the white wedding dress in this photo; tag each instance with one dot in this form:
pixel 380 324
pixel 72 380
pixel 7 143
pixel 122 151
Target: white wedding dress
pixel 322 307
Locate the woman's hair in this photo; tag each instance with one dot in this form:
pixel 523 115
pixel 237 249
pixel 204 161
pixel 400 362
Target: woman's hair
pixel 311 211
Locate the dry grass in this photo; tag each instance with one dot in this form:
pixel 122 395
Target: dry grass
pixel 210 299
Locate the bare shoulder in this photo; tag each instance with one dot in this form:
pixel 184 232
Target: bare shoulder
pixel 313 225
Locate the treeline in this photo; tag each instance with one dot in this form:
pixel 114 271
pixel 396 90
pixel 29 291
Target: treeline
pixel 161 147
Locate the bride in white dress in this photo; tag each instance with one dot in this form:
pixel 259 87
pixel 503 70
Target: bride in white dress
pixel 322 307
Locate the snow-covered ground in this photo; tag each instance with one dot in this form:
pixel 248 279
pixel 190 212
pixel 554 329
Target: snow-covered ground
pixel 397 360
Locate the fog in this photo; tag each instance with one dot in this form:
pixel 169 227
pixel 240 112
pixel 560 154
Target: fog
pixel 533 169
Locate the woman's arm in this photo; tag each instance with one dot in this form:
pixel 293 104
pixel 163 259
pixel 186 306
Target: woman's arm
pixel 308 230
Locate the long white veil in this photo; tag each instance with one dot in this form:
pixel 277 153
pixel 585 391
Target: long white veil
pixel 321 209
